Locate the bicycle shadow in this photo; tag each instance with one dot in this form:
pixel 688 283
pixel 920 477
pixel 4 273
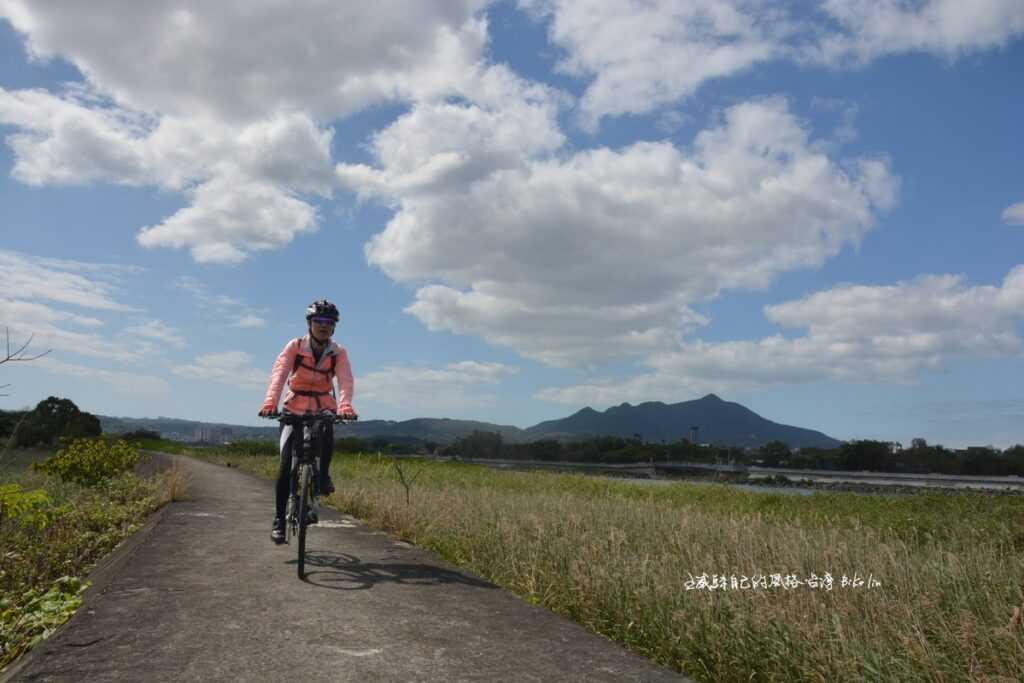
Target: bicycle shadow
pixel 342 571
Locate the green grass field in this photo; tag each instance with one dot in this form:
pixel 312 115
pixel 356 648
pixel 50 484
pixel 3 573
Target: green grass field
pixel 625 560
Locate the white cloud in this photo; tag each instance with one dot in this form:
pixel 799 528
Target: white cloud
pixel 202 295
pixel 230 217
pixel 443 146
pixel 31 278
pixel 236 61
pixel 70 140
pixel 38 292
pixel 457 386
pixel 1014 214
pixel 126 383
pixel 874 28
pixel 226 121
pixel 600 253
pixel 228 367
pixel 853 334
pixel 640 55
pixel 250 321
pixel 158 331
pixel 49 329
pixel 221 305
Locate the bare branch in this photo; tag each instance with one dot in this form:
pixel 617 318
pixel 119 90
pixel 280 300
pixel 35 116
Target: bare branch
pixel 19 355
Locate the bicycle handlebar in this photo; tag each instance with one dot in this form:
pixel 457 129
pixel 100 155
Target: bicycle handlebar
pixel 304 418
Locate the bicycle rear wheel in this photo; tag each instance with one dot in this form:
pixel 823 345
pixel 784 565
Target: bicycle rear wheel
pixel 304 485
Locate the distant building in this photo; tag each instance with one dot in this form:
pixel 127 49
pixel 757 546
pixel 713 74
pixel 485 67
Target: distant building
pixel 212 434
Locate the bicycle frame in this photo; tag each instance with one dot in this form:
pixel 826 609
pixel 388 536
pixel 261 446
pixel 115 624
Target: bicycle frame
pixel 304 454
pixel 304 486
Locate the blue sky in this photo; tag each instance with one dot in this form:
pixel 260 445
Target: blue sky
pixel 522 208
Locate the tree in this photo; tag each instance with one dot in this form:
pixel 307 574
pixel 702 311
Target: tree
pixel 774 453
pixel 480 445
pixel 866 455
pixel 55 418
pixel 545 449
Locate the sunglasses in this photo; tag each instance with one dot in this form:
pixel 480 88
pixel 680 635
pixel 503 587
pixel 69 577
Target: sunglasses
pixel 327 322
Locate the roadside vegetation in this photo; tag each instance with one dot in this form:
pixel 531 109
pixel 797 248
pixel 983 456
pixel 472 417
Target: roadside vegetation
pixel 61 511
pixel 936 581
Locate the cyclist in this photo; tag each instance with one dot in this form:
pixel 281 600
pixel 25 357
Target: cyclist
pixel 311 364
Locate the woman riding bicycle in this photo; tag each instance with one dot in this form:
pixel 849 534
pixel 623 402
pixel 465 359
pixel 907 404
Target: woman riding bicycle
pixel 313 362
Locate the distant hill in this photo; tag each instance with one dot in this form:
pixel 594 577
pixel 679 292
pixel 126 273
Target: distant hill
pixel 719 422
pixel 176 428
pixel 439 430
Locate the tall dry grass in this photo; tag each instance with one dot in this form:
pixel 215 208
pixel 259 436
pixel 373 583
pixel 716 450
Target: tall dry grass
pixel 173 483
pixel 618 558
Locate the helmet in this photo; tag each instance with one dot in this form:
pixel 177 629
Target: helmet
pixel 322 309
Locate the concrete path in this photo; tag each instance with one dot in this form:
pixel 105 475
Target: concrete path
pixel 201 594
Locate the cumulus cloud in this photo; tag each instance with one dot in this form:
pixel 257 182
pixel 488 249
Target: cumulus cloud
pixel 854 333
pixel 235 61
pixel 601 252
pixel 245 141
pixel 230 217
pixel 436 391
pixel 1014 214
pixel 445 146
pixel 233 368
pixel 641 55
pixel 870 29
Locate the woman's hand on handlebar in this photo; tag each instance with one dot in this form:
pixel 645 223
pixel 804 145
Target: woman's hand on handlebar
pixel 346 413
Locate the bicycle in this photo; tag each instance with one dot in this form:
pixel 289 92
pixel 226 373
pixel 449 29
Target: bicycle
pixel 303 498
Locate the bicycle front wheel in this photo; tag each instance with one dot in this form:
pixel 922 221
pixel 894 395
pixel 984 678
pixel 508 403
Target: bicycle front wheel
pixel 304 485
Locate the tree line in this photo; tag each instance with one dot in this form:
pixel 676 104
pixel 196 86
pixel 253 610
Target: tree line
pixel 877 456
pixel 55 419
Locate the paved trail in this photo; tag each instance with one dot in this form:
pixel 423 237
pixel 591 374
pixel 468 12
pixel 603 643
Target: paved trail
pixel 202 594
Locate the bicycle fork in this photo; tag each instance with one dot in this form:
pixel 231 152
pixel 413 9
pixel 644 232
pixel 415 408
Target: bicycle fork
pixel 292 508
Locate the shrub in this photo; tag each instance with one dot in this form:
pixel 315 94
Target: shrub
pixel 90 461
pixel 25 506
pixel 141 435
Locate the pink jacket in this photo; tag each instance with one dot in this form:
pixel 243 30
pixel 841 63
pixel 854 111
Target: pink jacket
pixel 304 376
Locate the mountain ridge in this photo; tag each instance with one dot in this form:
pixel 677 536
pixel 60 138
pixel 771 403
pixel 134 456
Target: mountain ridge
pixel 717 421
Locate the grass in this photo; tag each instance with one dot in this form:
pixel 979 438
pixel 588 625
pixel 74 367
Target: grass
pixel 618 557
pixel 44 556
